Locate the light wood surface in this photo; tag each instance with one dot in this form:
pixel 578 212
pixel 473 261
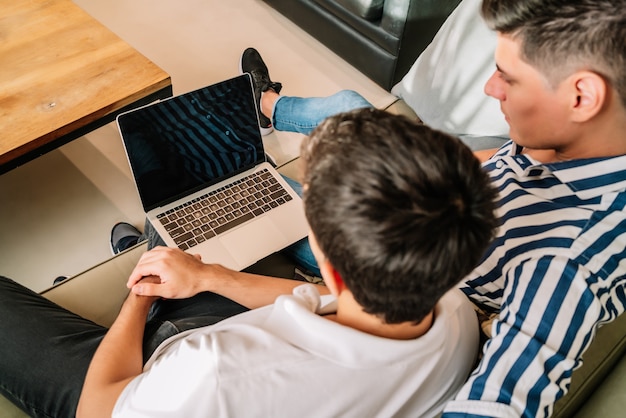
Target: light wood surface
pixel 61 70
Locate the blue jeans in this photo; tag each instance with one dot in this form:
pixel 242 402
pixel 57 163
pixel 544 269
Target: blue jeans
pixel 302 115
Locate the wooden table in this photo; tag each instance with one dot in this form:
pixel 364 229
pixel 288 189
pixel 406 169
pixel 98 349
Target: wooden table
pixel 63 74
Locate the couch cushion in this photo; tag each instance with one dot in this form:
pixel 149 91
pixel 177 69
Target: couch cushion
pixel 8 410
pixel 608 400
pixel 366 9
pixel 351 24
pixel 605 351
pixel 445 84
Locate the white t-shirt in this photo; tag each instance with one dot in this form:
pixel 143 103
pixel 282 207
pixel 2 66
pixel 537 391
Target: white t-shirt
pixel 286 360
pixel 445 85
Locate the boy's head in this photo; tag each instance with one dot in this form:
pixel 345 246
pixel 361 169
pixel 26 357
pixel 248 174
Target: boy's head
pixel 402 212
pixel 559 37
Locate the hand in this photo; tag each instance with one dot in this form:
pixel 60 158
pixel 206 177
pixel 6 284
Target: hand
pixel 146 300
pixel 179 274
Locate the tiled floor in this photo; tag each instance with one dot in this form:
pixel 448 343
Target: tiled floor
pixel 57 211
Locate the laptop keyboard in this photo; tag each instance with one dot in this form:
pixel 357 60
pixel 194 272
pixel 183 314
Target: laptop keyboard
pixel 218 211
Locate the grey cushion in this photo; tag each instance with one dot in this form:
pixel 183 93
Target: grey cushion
pixel 367 9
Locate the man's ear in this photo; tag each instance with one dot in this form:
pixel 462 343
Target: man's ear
pixel 332 278
pixel 590 94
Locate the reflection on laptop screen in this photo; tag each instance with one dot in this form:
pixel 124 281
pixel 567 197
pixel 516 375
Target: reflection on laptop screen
pixel 178 146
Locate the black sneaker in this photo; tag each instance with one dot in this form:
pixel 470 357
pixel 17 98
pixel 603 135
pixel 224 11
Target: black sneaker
pixel 123 236
pixel 252 63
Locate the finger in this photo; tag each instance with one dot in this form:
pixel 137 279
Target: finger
pixel 150 289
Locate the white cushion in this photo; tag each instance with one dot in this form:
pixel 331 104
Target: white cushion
pixel 445 84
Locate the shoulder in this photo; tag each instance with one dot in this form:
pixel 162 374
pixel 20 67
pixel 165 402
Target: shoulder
pixel 455 317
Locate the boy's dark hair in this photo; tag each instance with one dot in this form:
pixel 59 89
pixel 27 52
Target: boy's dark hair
pixel 560 37
pixel 402 212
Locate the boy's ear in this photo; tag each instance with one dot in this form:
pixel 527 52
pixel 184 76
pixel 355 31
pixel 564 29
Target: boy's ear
pixel 332 278
pixel 590 94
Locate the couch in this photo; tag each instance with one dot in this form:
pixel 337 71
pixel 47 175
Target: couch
pixel 381 38
pixel 598 388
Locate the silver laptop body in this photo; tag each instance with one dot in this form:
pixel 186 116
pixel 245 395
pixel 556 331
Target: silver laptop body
pixel 201 173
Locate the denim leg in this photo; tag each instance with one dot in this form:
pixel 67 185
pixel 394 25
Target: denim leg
pixel 301 254
pixel 45 352
pixel 300 251
pixel 297 114
pixel 153 237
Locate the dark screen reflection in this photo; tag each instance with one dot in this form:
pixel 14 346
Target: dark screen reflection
pixel 182 144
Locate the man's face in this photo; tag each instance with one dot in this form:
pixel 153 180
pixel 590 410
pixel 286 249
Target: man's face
pixel 535 111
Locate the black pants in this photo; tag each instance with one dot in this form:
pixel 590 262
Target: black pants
pixel 46 350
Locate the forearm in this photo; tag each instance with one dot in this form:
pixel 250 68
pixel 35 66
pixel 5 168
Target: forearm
pixel 251 290
pixel 117 360
pixel 182 276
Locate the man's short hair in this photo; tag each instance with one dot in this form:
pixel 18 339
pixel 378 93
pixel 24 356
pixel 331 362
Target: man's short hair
pixel 560 37
pixel 401 211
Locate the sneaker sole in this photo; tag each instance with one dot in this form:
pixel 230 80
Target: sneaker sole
pixel 112 248
pixel 264 131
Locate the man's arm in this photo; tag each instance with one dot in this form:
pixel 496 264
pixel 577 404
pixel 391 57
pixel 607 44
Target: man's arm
pixel 183 275
pixel 547 317
pixel 118 359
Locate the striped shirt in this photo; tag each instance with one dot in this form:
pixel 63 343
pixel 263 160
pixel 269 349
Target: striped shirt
pixel 555 273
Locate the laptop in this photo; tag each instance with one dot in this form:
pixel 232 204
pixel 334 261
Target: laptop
pixel 201 173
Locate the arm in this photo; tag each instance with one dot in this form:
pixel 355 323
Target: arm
pixel 546 321
pixel 117 360
pixel 183 275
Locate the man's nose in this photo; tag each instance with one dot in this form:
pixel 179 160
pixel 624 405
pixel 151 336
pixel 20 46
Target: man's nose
pixel 494 87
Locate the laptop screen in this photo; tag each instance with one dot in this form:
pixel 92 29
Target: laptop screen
pixel 183 144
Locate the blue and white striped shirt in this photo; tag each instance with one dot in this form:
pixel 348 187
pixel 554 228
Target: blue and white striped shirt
pixel 555 272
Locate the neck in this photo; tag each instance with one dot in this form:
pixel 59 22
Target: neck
pixel 351 314
pixel 602 137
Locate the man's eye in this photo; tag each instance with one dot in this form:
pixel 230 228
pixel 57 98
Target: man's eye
pixel 503 77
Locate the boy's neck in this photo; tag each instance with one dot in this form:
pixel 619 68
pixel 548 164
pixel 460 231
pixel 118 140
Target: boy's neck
pixel 603 137
pixel 351 314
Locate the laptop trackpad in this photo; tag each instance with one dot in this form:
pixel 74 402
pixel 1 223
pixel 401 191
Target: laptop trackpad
pixel 250 243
